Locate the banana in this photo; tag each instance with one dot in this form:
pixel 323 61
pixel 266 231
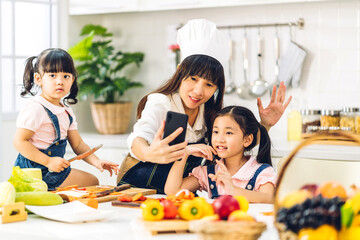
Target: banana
pixel 38 198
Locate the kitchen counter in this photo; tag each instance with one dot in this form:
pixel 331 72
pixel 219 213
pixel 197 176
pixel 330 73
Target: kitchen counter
pixel 123 225
pixel 280 147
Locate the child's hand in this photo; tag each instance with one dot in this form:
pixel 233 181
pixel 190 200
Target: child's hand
pixel 200 150
pixel 223 178
pixel 107 165
pixel 57 164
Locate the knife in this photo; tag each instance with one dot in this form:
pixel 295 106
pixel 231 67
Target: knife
pixel 85 154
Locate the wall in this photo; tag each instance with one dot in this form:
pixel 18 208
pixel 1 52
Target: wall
pixel 331 38
pixel 330 75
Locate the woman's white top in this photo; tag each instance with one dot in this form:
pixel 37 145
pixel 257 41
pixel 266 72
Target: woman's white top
pixel 154 113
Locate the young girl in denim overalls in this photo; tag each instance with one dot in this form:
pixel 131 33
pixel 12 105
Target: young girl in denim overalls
pixel 46 123
pixel 233 134
pixel 196 89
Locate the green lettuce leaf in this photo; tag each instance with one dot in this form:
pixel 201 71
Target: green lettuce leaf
pixel 24 183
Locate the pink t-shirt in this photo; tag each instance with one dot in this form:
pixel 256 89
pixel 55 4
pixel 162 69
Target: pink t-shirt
pixel 34 118
pixel 240 178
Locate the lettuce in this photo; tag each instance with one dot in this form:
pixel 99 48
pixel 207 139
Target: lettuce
pixel 24 183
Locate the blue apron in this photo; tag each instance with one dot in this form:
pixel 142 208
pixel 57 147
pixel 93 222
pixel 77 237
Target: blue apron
pixel 56 149
pixel 153 175
pixel 249 186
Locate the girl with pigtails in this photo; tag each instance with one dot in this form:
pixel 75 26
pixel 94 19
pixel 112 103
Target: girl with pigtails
pixel 233 135
pixel 46 123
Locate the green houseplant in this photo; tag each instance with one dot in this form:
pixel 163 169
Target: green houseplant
pixel 101 75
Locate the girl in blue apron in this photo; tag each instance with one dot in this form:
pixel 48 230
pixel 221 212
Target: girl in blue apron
pixel 196 89
pixel 46 123
pixel 234 133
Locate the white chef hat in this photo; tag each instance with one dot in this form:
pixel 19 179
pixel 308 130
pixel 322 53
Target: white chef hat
pixel 200 36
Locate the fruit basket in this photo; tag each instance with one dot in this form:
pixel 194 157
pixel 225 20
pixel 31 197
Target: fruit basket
pixel 226 230
pixel 316 213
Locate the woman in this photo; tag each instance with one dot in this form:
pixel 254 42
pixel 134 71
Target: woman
pixel 196 89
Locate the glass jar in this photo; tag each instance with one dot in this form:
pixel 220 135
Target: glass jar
pixel 347 118
pixel 330 118
pixel 357 123
pixel 310 118
pixel 294 125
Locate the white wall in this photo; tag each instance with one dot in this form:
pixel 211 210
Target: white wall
pixel 331 38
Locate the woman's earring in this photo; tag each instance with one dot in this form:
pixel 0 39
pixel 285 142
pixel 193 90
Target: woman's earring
pixel 216 93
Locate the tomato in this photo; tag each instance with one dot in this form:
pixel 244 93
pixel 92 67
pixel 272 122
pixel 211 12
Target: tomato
pixel 169 209
pixel 152 210
pixel 190 210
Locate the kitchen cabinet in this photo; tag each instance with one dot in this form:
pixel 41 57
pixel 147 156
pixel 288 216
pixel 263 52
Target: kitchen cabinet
pixel 84 7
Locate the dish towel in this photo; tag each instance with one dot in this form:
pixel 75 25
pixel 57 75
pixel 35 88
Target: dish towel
pixel 290 65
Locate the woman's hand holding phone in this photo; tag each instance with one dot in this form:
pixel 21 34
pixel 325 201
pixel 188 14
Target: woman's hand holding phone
pixel 161 152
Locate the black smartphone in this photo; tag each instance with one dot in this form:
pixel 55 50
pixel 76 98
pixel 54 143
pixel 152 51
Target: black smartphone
pixel 173 121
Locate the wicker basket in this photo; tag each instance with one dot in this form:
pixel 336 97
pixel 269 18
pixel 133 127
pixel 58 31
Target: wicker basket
pixel 287 234
pixel 226 230
pixel 111 118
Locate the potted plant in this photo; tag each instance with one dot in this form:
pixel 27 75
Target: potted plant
pixel 100 70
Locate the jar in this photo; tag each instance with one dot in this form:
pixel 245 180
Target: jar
pixel 347 118
pixel 357 123
pixel 294 125
pixel 330 118
pixel 310 118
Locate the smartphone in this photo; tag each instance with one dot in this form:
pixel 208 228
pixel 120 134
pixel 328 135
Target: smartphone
pixel 173 121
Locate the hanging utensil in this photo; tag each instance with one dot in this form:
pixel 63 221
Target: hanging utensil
pixel 231 87
pixel 277 56
pixel 259 86
pixel 243 91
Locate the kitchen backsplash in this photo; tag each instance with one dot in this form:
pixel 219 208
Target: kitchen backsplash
pixel 331 38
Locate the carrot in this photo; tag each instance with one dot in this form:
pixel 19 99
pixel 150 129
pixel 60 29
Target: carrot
pixel 136 197
pixel 125 198
pixel 90 202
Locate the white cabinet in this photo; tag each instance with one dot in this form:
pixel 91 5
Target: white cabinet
pixel 84 7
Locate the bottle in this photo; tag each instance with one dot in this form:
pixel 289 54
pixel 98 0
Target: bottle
pixel 348 117
pixel 294 122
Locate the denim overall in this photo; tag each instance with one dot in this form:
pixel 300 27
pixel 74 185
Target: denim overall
pixel 56 149
pixel 249 186
pixel 153 175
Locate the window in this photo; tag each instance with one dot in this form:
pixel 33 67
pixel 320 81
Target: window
pixel 26 28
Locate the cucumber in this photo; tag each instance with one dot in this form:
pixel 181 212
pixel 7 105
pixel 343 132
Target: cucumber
pixel 38 198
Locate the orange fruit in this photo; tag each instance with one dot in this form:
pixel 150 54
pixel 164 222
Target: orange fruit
pixel 324 232
pixel 239 215
pixel 331 189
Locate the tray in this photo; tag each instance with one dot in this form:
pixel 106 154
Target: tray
pixel 329 139
pixel 165 226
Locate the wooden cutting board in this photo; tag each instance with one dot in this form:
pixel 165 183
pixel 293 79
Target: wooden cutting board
pixel 131 192
pixel 165 226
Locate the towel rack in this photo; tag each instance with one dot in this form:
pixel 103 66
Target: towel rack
pixel 299 23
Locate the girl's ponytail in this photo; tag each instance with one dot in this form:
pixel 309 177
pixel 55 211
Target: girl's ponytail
pixel 28 78
pixel 264 147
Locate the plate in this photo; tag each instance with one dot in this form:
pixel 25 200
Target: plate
pixel 72 212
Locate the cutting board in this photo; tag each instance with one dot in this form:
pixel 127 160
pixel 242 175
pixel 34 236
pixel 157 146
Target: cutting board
pixel 165 226
pixel 131 192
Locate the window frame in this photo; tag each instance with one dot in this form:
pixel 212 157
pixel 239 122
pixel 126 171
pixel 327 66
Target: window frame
pixel 54 5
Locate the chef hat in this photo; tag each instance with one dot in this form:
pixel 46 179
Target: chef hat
pixel 200 36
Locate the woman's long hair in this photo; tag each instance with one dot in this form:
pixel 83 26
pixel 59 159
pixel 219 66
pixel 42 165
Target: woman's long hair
pixel 195 65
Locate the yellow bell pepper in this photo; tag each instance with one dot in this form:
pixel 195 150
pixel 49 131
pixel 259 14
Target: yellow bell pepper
pixel 207 208
pixel 190 210
pixel 152 210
